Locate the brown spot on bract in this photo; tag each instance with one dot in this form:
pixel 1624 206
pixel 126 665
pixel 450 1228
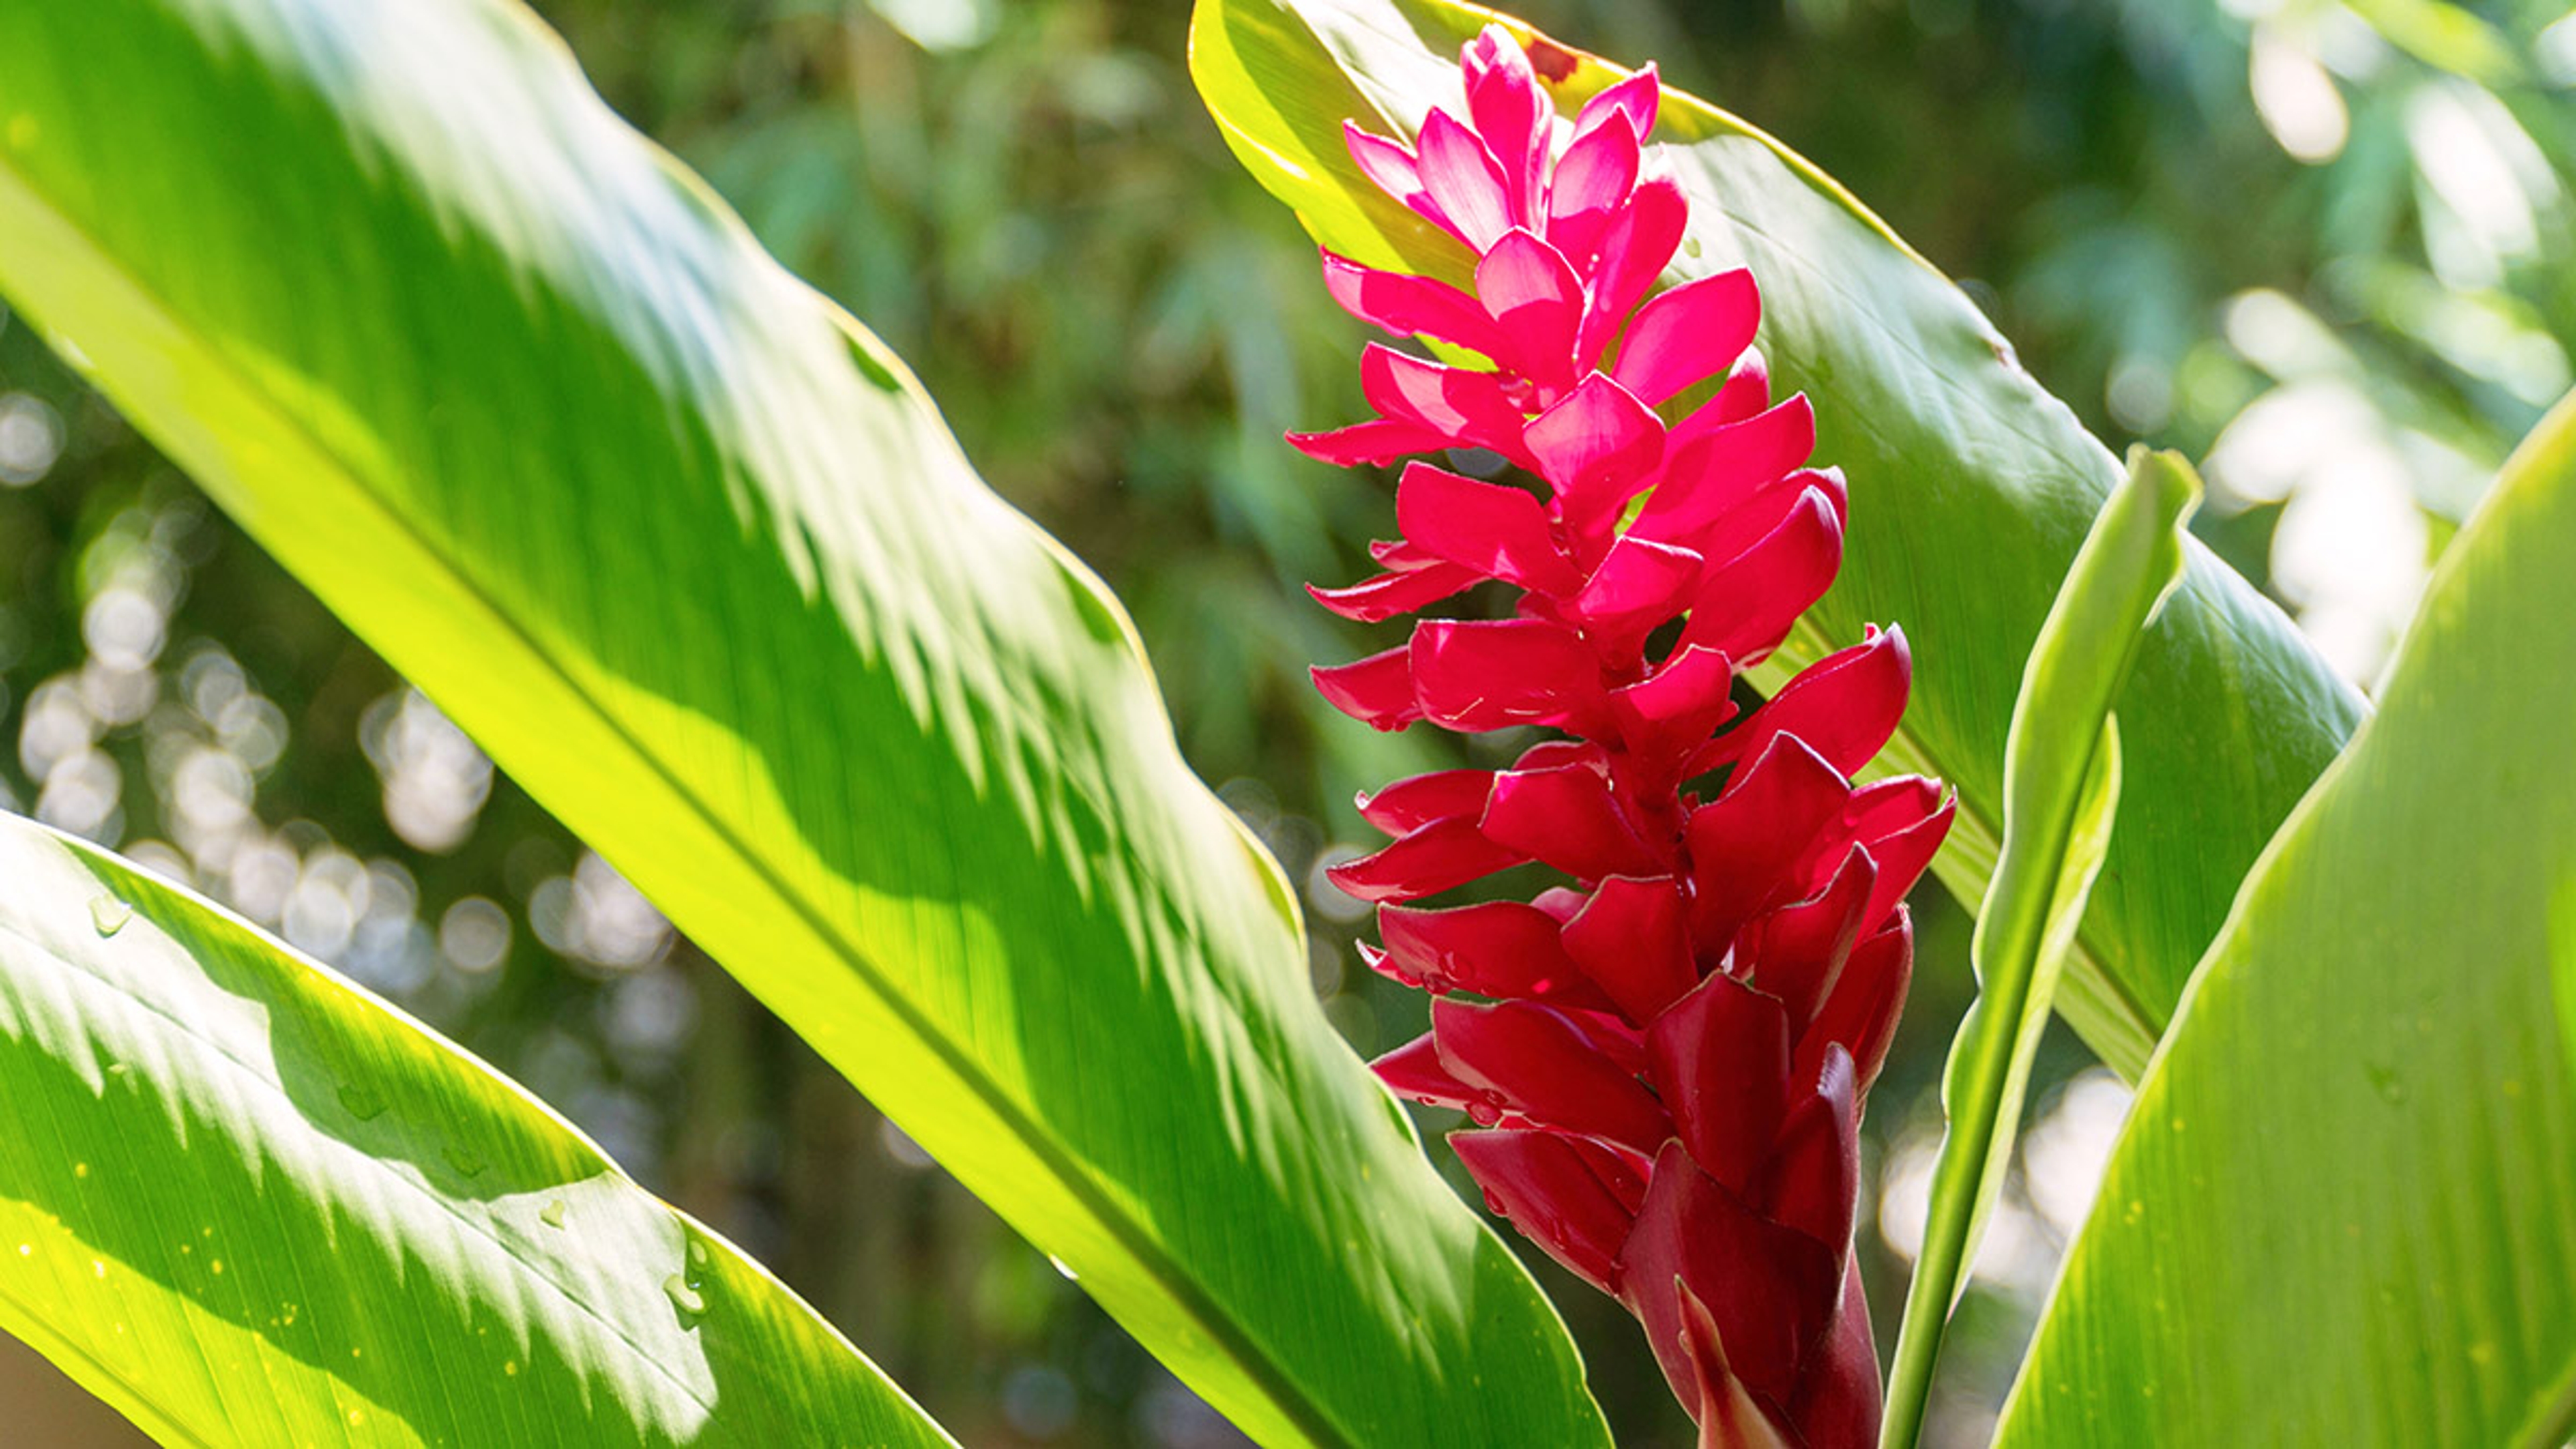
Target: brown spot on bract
pixel 1552 61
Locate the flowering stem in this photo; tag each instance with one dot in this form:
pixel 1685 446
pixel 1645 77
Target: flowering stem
pixel 1665 1054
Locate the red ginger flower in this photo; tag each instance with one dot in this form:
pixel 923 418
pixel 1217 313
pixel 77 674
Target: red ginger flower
pixel 1669 1056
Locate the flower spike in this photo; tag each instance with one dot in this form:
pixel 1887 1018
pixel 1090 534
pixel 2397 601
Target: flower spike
pixel 1665 1056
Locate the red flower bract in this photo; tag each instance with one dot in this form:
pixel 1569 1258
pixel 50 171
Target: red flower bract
pixel 1668 1057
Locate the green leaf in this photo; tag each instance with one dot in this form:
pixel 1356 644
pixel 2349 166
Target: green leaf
pixel 2061 789
pixel 698 563
pixel 246 1203
pixel 1971 487
pixel 2562 951
pixel 2446 37
pixel 2341 1211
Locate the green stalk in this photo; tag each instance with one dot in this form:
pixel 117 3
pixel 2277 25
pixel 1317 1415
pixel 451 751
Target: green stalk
pixel 2061 792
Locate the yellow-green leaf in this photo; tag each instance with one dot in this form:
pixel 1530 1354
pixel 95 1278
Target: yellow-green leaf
pixel 248 1204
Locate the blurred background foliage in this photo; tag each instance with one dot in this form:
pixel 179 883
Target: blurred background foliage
pixel 2319 245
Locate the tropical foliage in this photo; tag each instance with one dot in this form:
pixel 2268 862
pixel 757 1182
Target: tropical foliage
pixel 694 558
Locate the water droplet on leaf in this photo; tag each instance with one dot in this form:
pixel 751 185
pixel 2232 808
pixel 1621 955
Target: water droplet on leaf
pixel 362 1102
pixel 109 914
pixel 683 1297
pixel 1064 1268
pixel 552 1214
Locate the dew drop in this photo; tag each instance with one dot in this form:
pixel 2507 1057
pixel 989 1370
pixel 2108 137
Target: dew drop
pixel 98 1268
pixel 80 1169
pixel 552 1214
pixel 26 1250
pixel 511 1368
pixel 683 1297
pixel 362 1103
pixel 2385 1081
pixel 109 914
pixel 1065 1268
pixel 1690 246
pixel 463 1159
pixel 697 1253
pixel 217 1266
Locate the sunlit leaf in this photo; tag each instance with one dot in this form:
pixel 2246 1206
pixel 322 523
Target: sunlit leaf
pixel 2341 1211
pixel 698 563
pixel 248 1204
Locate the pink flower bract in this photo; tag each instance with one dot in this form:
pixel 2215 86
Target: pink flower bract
pixel 1667 1056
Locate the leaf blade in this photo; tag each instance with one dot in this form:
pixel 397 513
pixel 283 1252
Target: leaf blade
pixel 197 1108
pixel 2339 1209
pixel 695 560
